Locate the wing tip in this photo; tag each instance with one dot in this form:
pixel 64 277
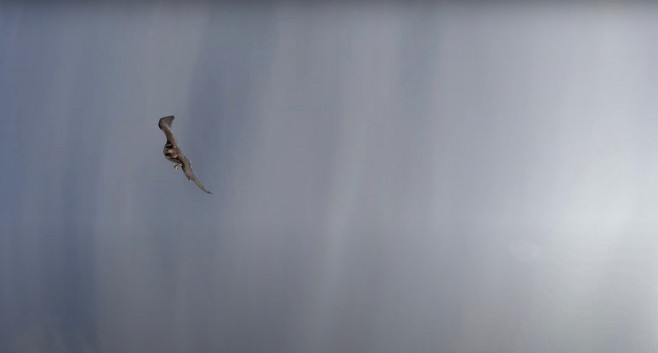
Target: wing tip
pixel 165 120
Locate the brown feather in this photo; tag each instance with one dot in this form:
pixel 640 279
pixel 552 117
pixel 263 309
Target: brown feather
pixel 174 153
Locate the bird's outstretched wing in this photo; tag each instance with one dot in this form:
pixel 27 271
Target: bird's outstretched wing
pixel 165 125
pixel 187 169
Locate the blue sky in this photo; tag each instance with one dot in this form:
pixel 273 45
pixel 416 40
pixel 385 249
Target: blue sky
pixel 386 178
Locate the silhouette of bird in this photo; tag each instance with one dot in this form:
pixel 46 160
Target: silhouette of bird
pixel 174 154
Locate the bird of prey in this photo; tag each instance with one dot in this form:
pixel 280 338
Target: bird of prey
pixel 174 154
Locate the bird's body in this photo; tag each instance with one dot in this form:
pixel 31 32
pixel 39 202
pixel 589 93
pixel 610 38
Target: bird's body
pixel 174 154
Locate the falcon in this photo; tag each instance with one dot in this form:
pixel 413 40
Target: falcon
pixel 174 154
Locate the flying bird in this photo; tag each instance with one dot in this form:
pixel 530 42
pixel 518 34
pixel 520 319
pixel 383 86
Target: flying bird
pixel 174 154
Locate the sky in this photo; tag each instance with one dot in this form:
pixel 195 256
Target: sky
pixel 386 177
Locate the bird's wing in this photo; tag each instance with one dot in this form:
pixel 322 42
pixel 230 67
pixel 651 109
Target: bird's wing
pixel 165 125
pixel 187 169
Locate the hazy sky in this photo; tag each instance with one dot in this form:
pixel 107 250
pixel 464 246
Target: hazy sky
pixel 386 178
